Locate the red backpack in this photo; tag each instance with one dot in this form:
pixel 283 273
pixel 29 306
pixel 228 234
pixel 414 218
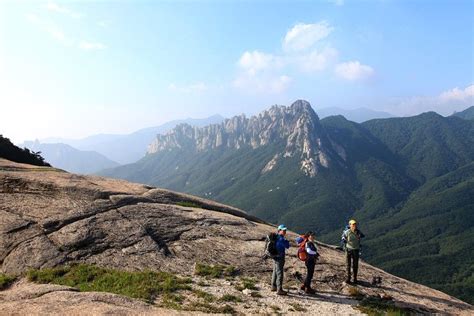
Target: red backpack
pixel 302 254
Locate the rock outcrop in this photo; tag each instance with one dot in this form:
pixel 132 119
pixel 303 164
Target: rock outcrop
pixel 49 217
pixel 296 126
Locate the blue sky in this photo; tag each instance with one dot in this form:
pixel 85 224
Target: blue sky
pixel 75 68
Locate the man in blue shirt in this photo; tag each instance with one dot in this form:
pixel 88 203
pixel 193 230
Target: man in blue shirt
pixel 279 261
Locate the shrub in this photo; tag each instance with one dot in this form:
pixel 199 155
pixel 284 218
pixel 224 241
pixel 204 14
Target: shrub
pixel 5 281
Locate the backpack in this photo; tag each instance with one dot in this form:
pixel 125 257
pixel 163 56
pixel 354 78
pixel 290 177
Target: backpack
pixel 301 253
pixel 343 237
pixel 270 246
pixel 344 241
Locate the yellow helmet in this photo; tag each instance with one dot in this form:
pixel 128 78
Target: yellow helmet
pixel 352 221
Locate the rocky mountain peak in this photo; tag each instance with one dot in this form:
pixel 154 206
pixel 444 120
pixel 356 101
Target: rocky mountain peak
pixel 297 126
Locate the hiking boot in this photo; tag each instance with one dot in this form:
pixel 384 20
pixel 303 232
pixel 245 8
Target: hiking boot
pixel 302 287
pixel 282 292
pixel 273 289
pixel 348 281
pixel 355 281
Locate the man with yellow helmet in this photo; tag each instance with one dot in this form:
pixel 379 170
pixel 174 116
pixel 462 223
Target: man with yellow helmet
pixel 351 238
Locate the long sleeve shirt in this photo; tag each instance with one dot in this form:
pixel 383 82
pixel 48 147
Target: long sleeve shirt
pixel 352 239
pixel 281 245
pixel 311 250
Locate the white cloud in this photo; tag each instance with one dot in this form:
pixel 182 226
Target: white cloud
pixel 85 45
pixel 54 7
pixel 253 62
pixel 303 36
pixel 317 60
pixel 354 70
pixel 446 103
pixel 302 52
pixel 457 94
pixel 258 73
pixel 197 87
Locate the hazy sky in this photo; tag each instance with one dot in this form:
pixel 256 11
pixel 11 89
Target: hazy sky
pixel 75 68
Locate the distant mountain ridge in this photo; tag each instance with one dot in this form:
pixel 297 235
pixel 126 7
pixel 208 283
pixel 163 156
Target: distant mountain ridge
pixel 127 148
pixel 358 115
pixel 467 114
pixel 70 159
pixel 370 171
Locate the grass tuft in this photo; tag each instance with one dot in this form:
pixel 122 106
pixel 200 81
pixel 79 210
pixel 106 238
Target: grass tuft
pixel 246 283
pixel 172 301
pixel 209 308
pixel 5 281
pixel 374 306
pixel 214 271
pixel 230 298
pixel 146 285
pixel 208 297
pixel 189 204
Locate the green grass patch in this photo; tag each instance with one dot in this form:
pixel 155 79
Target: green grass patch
pixel 374 306
pixel 5 281
pixel 189 204
pixel 172 301
pixel 208 297
pixel 146 285
pixel 209 308
pixel 214 271
pixel 246 283
pixel 230 298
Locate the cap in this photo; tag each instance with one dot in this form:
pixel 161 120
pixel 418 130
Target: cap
pixel 282 227
pixel 352 221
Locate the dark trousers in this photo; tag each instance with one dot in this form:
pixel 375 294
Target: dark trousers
pixel 277 275
pixel 352 259
pixel 310 264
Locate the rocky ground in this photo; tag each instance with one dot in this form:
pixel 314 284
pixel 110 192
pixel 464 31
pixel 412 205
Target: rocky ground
pixel 49 217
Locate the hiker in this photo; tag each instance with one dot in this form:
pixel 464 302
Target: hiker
pixel 310 262
pixel 351 238
pixel 281 245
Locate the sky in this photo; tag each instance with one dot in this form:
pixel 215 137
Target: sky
pixel 76 68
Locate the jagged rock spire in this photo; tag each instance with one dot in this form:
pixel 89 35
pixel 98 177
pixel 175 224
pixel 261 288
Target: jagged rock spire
pixel 298 125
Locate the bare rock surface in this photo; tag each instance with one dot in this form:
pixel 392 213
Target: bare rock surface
pixel 49 217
